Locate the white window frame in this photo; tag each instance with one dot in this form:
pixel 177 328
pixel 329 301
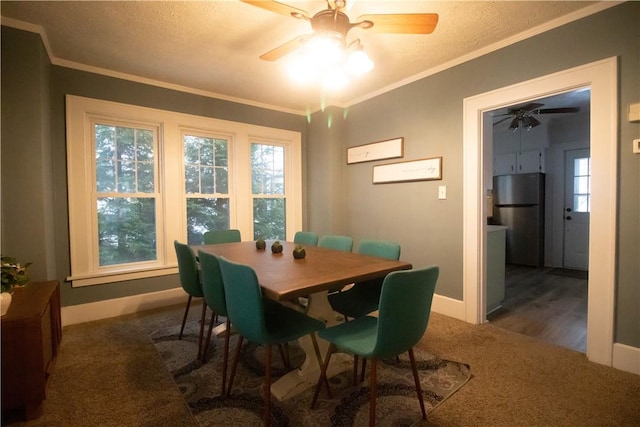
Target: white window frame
pixel 81 112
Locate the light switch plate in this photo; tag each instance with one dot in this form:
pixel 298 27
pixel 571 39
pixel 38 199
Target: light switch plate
pixel 636 145
pixel 442 192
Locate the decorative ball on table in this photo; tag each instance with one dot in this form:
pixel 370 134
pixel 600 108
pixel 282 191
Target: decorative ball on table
pixel 276 247
pixel 299 252
pixel 261 244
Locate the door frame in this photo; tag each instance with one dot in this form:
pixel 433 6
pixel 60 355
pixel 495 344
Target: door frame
pixel 602 78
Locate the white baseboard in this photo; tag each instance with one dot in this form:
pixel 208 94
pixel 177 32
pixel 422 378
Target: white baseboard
pixel 626 358
pixel 448 306
pixel 118 306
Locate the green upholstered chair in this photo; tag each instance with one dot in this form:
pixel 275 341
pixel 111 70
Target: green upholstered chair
pixel 362 298
pixel 190 281
pixel 306 238
pixel 213 289
pixel 404 309
pixel 213 237
pixel 340 243
pixel 260 323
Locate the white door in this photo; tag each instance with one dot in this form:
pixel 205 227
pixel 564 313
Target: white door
pixel 577 207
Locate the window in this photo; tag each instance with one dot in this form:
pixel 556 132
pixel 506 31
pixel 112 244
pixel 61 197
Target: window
pixel 140 178
pixel 206 178
pixel 267 187
pixel 125 189
pixel 582 185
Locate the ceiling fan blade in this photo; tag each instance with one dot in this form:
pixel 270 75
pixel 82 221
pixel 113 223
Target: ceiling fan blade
pixel 277 7
pixel 529 107
pixel 284 49
pixel 402 23
pixel 556 110
pixel 502 120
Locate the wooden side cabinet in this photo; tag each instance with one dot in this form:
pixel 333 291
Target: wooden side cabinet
pixel 31 335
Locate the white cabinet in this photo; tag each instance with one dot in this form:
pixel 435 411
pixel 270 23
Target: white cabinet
pixel 514 163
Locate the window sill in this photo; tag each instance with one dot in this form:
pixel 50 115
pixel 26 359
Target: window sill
pixel 119 276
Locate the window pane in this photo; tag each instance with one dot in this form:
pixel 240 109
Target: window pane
pixel 206 214
pixel 125 143
pixel 126 230
pixel 105 176
pixel 269 219
pixel 582 184
pixel 145 177
pixel 581 203
pixel 267 169
pixel 582 166
pixel 126 177
pixel 205 162
pixel 124 159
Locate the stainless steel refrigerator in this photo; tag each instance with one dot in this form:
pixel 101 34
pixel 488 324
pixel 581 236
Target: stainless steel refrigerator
pixel 519 204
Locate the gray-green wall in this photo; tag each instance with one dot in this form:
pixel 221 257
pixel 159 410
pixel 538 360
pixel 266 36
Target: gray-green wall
pixel 34 180
pixel 338 198
pixel 429 115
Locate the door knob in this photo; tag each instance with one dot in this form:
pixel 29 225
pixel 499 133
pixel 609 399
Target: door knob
pixel 568 209
pixel 568 218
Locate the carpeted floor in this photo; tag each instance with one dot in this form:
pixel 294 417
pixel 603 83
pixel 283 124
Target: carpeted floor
pixel 109 374
pixel 396 405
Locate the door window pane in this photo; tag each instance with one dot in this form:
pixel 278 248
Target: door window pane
pixel 582 184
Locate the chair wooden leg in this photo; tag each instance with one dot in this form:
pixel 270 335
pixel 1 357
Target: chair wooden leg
pixel 316 348
pixel 323 375
pixel 267 387
pixel 235 364
pixel 184 318
pixel 355 369
pixel 203 320
pixel 417 380
pixel 364 369
pixel 373 388
pixel 283 357
pixel 225 359
pixel 206 345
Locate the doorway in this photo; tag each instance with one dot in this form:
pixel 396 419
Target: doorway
pixel 547 139
pixel 601 78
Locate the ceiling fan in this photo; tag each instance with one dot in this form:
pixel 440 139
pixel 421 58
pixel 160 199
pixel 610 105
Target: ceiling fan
pixel 523 116
pixel 333 22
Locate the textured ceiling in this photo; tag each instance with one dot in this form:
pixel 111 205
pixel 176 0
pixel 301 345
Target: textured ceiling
pixel 212 47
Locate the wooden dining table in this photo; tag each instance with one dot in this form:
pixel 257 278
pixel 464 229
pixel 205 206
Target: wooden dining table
pixel 284 278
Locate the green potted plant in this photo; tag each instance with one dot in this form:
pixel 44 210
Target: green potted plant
pixel 13 274
pixel 261 244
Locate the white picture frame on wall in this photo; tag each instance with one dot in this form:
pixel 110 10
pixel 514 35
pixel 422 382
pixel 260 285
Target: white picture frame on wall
pixel 410 170
pixel 389 149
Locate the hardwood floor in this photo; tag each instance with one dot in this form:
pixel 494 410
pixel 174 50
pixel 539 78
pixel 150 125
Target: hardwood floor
pixel 546 306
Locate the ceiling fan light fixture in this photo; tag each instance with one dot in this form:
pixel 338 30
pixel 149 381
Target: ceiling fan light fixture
pixel 334 79
pixel 358 63
pixel 323 49
pixel 515 124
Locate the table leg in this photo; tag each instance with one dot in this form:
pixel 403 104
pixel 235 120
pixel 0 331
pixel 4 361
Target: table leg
pixel 306 376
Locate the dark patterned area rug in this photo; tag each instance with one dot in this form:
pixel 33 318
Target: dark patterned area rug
pixel 396 404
